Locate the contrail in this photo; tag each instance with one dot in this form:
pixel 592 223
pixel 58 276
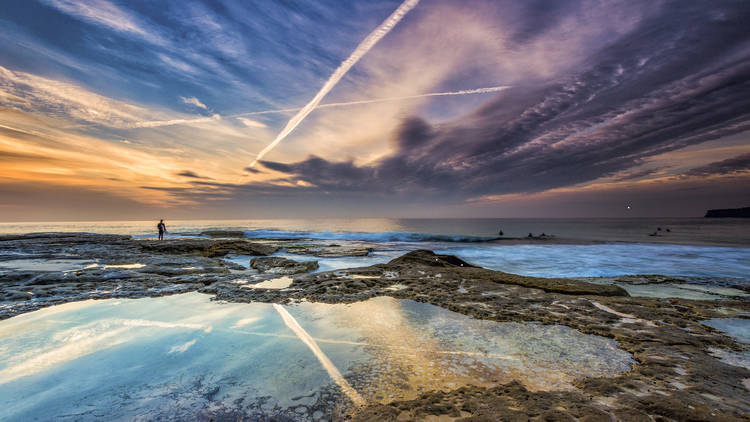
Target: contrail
pixel 339 73
pixel 327 364
pixel 215 117
pixel 382 100
pixel 160 123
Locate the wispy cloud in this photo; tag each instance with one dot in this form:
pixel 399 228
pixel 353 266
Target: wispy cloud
pixel 194 101
pixel 734 165
pixel 102 12
pixel 251 123
pixel 174 122
pixel 191 174
pixel 28 92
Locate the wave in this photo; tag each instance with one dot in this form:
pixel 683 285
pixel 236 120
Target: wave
pixel 366 236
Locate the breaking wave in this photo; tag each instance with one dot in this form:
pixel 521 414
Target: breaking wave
pixel 366 236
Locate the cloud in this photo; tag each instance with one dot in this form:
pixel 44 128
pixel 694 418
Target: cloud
pixel 366 45
pixel 191 174
pixel 601 91
pixel 174 122
pixel 622 107
pixel 636 175
pixel 251 123
pixel 193 101
pixel 738 164
pixel 104 13
pixel 32 93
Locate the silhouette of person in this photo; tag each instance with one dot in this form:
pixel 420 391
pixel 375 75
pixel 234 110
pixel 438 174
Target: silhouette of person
pixel 162 229
pixel 500 233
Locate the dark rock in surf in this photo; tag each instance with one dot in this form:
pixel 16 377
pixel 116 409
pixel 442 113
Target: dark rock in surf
pixel 429 258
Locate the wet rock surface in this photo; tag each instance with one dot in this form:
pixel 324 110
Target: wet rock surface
pixel 278 265
pixel 206 247
pixel 680 373
pixel 327 251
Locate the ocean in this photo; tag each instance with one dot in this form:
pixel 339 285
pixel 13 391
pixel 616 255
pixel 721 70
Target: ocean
pixel 715 250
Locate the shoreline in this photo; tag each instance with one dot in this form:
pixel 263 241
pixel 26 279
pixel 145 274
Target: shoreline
pixel 510 241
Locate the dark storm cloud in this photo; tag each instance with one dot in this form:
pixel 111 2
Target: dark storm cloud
pixel 680 77
pixel 738 164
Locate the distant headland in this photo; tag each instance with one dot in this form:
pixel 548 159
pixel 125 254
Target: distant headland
pixel 729 213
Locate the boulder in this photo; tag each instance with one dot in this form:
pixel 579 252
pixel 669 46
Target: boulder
pixel 429 258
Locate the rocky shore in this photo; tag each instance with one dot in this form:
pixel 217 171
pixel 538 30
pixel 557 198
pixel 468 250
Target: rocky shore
pixel 684 368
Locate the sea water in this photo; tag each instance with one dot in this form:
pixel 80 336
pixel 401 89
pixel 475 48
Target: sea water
pixel 705 231
pixel 715 250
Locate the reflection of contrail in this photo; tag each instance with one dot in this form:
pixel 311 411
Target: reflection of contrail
pixel 344 67
pixel 327 364
pixel 382 100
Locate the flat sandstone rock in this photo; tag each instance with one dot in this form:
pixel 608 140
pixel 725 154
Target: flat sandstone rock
pixel 207 247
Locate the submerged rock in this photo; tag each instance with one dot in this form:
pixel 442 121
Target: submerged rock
pixel 278 265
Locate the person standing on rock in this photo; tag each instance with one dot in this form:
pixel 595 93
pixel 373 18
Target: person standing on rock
pixel 162 229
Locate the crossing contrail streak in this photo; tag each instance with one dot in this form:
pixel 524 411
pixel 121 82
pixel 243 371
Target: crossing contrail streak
pixel 383 100
pixel 339 73
pixel 327 364
pixel 216 117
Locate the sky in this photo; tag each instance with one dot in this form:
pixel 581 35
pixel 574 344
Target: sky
pixel 156 109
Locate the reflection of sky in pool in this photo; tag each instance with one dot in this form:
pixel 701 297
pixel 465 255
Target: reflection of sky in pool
pixel 739 329
pixel 44 264
pixel 734 327
pixel 185 357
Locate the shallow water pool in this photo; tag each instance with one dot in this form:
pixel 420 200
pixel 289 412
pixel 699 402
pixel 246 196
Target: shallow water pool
pixel 187 357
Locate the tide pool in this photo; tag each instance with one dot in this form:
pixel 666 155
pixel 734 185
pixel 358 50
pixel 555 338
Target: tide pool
pixel 187 357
